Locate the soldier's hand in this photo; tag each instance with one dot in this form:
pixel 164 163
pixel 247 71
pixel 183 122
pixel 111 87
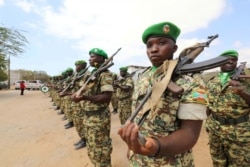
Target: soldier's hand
pixel 74 98
pixel 129 134
pixel 236 86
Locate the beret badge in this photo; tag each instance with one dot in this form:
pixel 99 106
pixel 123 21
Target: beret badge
pixel 166 28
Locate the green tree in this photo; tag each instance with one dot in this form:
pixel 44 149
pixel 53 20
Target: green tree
pixel 12 42
pixel 2 63
pixel 3 75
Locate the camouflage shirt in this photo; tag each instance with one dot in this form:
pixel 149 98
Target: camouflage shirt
pixel 224 102
pixel 163 120
pixel 102 83
pixel 122 94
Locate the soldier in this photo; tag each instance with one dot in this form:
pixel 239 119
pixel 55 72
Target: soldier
pixel 97 117
pixel 66 99
pixel 228 125
pixel 58 87
pixel 81 70
pixel 125 86
pixel 171 124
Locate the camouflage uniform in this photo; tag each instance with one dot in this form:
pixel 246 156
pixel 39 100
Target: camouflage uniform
pixel 58 100
pixel 68 111
pixel 229 142
pixel 125 98
pixel 97 122
pixel 164 119
pixel 76 107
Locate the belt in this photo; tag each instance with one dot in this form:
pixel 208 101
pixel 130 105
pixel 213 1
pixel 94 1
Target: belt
pixel 231 121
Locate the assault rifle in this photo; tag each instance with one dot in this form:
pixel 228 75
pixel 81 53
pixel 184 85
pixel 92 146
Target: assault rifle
pixel 120 79
pixel 72 83
pixel 239 72
pixel 108 63
pixel 185 65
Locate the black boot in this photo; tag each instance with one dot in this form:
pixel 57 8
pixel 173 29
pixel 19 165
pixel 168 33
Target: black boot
pixel 60 112
pixel 81 144
pixel 75 144
pixel 69 125
pixel 114 111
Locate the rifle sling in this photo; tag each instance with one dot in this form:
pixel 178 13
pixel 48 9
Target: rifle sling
pixel 160 86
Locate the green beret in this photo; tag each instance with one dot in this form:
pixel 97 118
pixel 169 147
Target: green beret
pixel 123 69
pixel 80 62
pixel 98 52
pixel 230 53
pixel 69 70
pixel 163 29
pixel 63 73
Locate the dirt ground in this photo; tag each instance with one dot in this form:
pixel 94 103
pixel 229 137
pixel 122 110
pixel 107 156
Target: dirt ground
pixel 33 135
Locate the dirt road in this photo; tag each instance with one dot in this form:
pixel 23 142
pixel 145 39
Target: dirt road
pixel 33 135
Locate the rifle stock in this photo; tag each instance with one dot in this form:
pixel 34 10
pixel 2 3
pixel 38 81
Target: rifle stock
pixel 187 56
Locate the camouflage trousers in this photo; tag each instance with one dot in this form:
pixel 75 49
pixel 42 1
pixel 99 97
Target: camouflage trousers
pixel 229 144
pixel 97 132
pixel 58 100
pixel 124 109
pixel 114 101
pixel 68 111
pixel 78 120
pixel 180 160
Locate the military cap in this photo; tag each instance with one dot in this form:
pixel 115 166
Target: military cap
pixel 80 62
pixel 63 73
pixel 99 52
pixel 230 53
pixel 123 69
pixel 163 29
pixel 69 70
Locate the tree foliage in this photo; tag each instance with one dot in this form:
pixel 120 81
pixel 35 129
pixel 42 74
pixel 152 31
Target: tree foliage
pixel 2 63
pixel 34 75
pixel 12 42
pixel 3 75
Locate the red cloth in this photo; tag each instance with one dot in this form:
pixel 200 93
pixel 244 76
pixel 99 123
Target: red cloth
pixel 22 85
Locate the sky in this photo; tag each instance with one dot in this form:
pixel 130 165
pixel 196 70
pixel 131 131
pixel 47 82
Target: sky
pixel 61 32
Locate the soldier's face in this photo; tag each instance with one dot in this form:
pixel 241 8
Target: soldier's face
pixel 230 65
pixel 160 49
pixel 123 73
pixel 95 60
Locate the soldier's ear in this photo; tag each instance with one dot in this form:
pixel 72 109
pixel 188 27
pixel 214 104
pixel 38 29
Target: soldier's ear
pixel 175 48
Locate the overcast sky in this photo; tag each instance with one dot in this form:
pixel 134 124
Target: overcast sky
pixel 61 32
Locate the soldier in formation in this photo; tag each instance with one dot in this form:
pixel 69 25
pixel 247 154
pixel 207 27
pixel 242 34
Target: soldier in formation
pixel 228 123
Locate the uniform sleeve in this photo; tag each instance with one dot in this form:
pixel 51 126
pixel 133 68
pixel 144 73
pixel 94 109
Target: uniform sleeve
pixel 193 103
pixel 106 82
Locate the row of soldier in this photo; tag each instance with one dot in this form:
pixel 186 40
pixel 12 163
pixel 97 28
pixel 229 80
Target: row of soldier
pixel 165 130
pixel 63 87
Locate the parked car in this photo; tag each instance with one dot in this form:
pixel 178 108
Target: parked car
pixel 34 84
pixel 3 85
pixel 17 84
